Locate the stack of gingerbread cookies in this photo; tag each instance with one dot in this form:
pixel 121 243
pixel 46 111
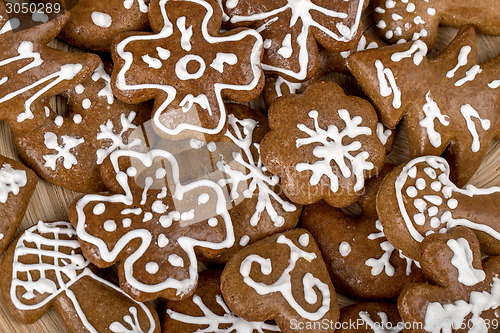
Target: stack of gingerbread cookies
pixel 226 180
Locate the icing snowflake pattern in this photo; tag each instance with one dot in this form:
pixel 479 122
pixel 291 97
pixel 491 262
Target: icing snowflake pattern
pixel 260 181
pixel 11 181
pixel 219 72
pixel 63 150
pixel 331 149
pixel 214 321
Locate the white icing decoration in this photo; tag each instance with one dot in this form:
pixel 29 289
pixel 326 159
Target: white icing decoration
pixel 286 47
pixel 175 260
pixel 10 25
pixel 432 112
pixel 145 237
pixel 102 20
pixel 169 90
pixel 11 181
pixel 142 5
pixel 302 10
pixel 63 151
pixel 107 133
pixel 444 318
pixel 462 260
pixel 223 58
pixel 332 149
pixel 186 33
pixel 152 267
pixel 470 75
pixel 440 165
pixel 383 134
pixel 254 173
pixel 385 89
pixel 213 321
pixel 284 284
pixel 152 62
pixel 244 240
pixel 293 87
pixel 110 226
pixel 68 269
pixel 99 74
pixel 468 112
pixel 162 240
pixel 462 60
pixel 131 321
pixel 385 326
pixel 418 47
pixel 344 249
pixel 181 67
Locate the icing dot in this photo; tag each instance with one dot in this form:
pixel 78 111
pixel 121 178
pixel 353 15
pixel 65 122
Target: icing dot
pixel 344 249
pixel 412 172
pixel 110 226
pixel 203 199
pixel 160 173
pixel 147 217
pixel 211 147
pixel 420 205
pixel 431 11
pixel 419 218
pixel 159 207
pixel 79 89
pixel 452 203
pixel 420 183
pixel 126 222
pixel 435 222
pixel 77 118
pixel 86 103
pixel 152 267
pixel 244 240
pixel 430 172
pixel 436 186
pixel 165 221
pixel 99 209
pixel 434 199
pixel 389 34
pixel 447 191
pixel 102 20
pixel 175 260
pixel 162 240
pixel 212 221
pixel 432 211
pixel 411 191
pixel 58 121
pixel 131 172
pixel 304 240
pixel 410 8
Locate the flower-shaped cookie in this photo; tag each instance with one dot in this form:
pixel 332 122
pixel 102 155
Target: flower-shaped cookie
pixel 291 28
pixel 323 144
pixel 153 223
pixel 188 66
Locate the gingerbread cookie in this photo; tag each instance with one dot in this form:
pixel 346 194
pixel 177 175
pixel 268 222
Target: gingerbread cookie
pixel 323 145
pixel 361 261
pixel 31 72
pixel 291 29
pixel 206 311
pixel 188 66
pixel 370 317
pixel 153 223
pixel 44 268
pixel 463 296
pixel 450 104
pixel 17 184
pixel 418 199
pixel 68 150
pixel 276 86
pixel 402 20
pixel 94 24
pixel 258 208
pixel 282 278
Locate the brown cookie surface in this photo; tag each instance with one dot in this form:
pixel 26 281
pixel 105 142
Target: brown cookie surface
pixel 44 267
pixel 370 317
pixel 188 66
pixel 417 199
pixel 206 311
pixel 449 104
pixel 463 296
pixel 323 145
pixel 291 31
pixel 401 21
pixel 361 261
pixel 17 184
pixel 281 278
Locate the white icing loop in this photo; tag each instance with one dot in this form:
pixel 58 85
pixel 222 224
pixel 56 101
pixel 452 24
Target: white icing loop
pixel 284 284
